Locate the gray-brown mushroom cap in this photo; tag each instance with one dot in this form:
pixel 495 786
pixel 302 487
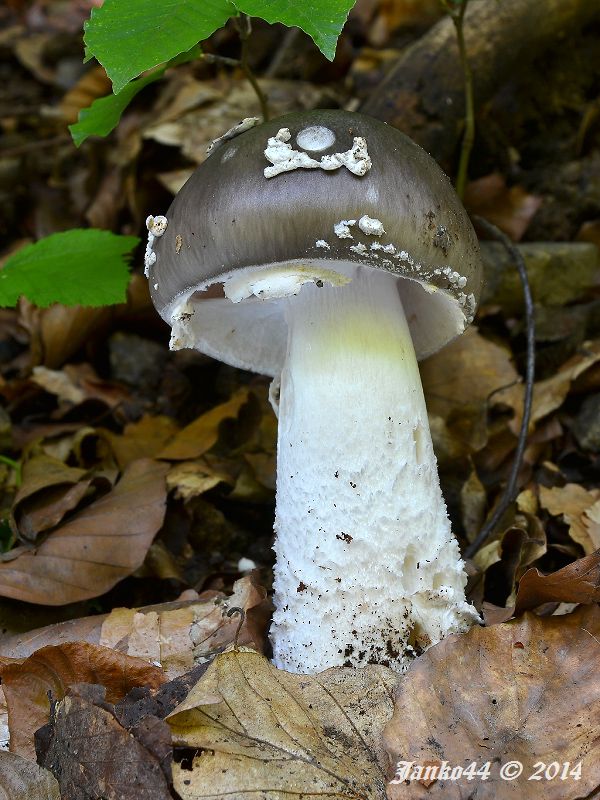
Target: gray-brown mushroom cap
pixel 399 213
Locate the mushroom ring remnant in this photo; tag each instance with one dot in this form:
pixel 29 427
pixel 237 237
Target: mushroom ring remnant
pixel 334 279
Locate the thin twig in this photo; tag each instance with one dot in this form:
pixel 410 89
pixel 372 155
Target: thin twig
pixel 244 28
pixel 242 613
pixel 511 490
pixel 39 144
pixel 212 58
pixel 456 10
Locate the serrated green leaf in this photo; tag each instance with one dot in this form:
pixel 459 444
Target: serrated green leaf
pixel 104 114
pixel 322 20
pixel 129 37
pixel 86 267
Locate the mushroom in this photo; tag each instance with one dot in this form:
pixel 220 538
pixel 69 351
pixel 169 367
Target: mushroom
pixel 327 250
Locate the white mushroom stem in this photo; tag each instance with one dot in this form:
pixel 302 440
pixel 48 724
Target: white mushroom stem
pixel 367 568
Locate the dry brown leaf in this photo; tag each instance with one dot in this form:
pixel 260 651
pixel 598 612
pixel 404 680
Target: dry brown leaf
pixel 95 549
pixel 192 478
pixel 473 504
pixel 209 607
pixel 381 18
pixel 510 209
pixel 94 756
pixel 580 509
pixel 58 332
pixel 550 394
pixel 21 779
pixel 142 439
pixel 270 733
pixel 527 690
pixel 180 638
pixel 75 383
pixel 200 111
pixel 30 684
pixel 199 436
pixel 93 84
pixel 459 381
pixel 22 645
pixel 521 545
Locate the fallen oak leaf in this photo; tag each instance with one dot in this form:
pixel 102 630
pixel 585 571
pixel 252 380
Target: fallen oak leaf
pixel 97 547
pixel 578 582
pixel 580 509
pixel 263 730
pixel 28 685
pixel 525 691
pixel 21 779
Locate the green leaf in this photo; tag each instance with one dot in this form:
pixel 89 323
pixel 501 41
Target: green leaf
pixel 104 114
pixel 322 20
pixel 86 267
pixel 130 36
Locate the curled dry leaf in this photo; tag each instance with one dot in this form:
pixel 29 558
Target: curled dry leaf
pixel 578 582
pixel 180 638
pixel 20 779
pixel 58 332
pixel 520 546
pixel 48 490
pixel 580 509
pixel 270 733
pixel 527 690
pixel 97 547
pixel 29 685
pixel 94 755
pixel 192 478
